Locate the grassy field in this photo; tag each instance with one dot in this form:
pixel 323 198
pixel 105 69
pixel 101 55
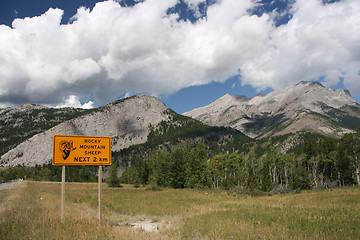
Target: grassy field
pixel 30 210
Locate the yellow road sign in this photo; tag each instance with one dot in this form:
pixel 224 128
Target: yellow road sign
pixel 81 150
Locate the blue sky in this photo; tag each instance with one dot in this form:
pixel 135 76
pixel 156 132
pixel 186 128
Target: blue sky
pixel 186 52
pixel 198 96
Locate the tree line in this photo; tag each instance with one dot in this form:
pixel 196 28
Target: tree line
pixel 317 163
pixel 49 173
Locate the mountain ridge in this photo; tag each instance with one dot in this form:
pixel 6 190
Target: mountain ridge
pixel 126 121
pixel 26 132
pixel 140 120
pixel 292 108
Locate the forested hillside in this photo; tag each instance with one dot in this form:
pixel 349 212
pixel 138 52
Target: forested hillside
pixel 21 123
pixel 318 162
pixel 180 129
pixel 158 147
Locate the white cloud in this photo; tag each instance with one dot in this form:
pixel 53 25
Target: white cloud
pixel 194 2
pixel 111 50
pixel 83 69
pixel 73 101
pixel 318 41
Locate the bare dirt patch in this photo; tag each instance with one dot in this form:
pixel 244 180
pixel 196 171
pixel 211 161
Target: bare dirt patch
pixel 144 223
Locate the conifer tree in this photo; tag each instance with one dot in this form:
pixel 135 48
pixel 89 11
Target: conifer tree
pixel 265 178
pixel 113 179
pixel 251 181
pixel 343 164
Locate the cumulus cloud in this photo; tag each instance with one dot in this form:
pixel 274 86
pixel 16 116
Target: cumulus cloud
pixel 73 101
pixel 319 41
pixel 109 51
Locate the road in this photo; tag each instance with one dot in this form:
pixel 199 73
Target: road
pixel 7 184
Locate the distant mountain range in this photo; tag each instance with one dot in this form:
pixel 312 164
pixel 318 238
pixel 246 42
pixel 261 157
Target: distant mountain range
pixel 306 106
pixel 142 123
pixel 27 131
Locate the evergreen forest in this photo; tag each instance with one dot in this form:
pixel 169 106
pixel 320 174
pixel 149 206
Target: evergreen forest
pixel 319 162
pixel 215 162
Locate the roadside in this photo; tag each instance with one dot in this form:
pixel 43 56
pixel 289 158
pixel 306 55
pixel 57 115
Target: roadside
pixel 7 184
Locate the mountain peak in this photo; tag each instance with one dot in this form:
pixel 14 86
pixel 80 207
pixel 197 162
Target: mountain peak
pixel 347 92
pixel 28 106
pixel 310 83
pixel 226 97
pixel 307 105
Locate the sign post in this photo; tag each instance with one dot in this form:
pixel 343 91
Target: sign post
pixel 62 193
pixel 80 150
pixel 99 188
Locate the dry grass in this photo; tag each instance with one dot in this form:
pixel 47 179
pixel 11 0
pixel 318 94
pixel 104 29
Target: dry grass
pixel 32 211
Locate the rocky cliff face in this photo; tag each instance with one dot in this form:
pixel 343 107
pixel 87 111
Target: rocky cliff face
pixel 306 106
pixel 126 121
pixel 23 122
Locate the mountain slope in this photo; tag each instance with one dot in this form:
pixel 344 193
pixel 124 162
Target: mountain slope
pixel 126 121
pixel 306 106
pixel 137 126
pixel 23 122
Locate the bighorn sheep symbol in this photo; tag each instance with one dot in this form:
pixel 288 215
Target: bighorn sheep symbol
pixel 66 147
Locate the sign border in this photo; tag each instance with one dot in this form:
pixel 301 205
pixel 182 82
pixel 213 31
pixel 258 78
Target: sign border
pixel 82 164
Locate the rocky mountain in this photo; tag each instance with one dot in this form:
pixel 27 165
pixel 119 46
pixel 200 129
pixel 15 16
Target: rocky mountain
pixel 306 106
pixel 126 121
pixel 136 126
pixel 23 122
pixel 140 124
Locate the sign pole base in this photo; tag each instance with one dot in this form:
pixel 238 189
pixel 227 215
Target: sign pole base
pixel 62 193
